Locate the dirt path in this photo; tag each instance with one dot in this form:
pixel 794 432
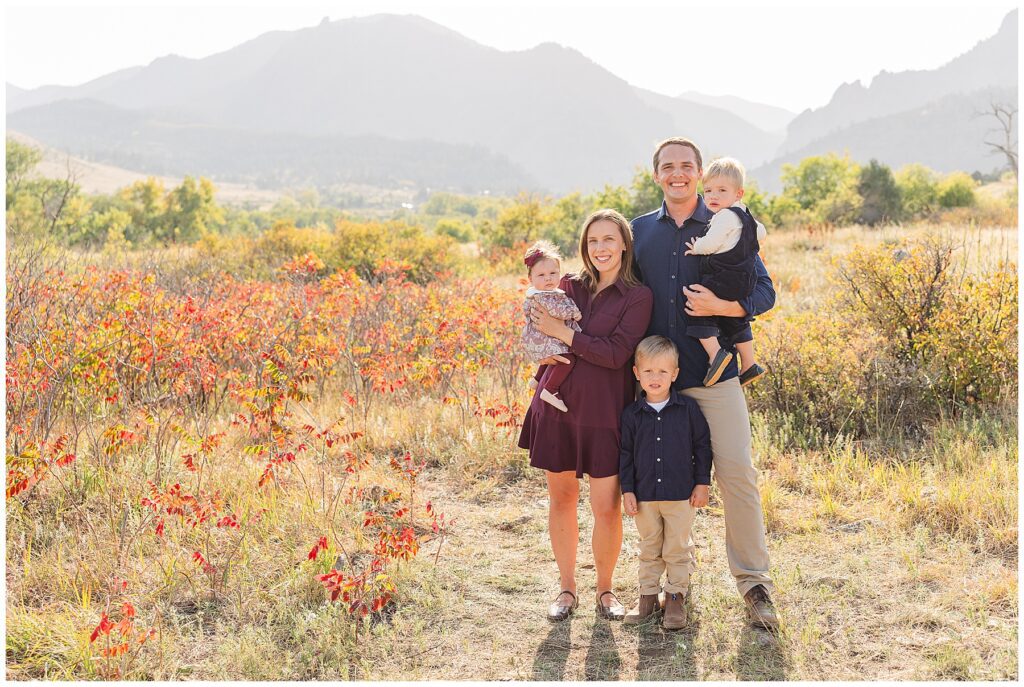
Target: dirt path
pixel 502 576
pixel 853 602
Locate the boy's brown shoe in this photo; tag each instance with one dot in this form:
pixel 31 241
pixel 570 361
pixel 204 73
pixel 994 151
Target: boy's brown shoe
pixel 675 613
pixel 647 607
pixel 760 608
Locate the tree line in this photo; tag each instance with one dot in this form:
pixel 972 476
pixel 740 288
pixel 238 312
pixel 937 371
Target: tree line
pixel 821 190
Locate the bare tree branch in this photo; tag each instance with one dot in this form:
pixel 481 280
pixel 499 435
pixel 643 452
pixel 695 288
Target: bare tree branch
pixel 1006 132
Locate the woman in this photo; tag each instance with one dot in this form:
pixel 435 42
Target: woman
pixel 616 310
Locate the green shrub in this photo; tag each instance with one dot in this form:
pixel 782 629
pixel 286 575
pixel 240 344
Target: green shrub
pixel 910 338
pixel 918 187
pixel 879 194
pixel 954 333
pixel 361 246
pixel 458 230
pixel 956 191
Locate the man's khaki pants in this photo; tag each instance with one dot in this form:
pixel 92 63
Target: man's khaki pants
pixel 725 408
pixel 665 545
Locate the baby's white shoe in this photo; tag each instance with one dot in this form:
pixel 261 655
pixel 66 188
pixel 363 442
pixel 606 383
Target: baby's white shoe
pixel 549 397
pixel 532 383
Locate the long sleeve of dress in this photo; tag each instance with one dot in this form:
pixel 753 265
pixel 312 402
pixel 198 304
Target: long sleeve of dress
pixel 626 473
pixel 615 349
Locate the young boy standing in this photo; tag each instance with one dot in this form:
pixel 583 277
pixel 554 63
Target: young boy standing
pixel 665 473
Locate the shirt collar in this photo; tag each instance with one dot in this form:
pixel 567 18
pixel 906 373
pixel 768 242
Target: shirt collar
pixel 620 285
pixel 673 399
pixel 700 213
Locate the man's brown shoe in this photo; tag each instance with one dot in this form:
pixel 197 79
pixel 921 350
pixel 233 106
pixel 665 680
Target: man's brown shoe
pixel 647 607
pixel 675 614
pixel 760 608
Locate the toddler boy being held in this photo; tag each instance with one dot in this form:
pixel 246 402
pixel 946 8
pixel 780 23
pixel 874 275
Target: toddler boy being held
pixel 665 473
pixel 730 248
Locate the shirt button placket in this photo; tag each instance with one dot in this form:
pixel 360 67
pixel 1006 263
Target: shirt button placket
pixel 657 459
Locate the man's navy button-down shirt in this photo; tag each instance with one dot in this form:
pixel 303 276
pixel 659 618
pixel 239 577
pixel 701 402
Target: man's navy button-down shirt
pixel 664 454
pixel 658 245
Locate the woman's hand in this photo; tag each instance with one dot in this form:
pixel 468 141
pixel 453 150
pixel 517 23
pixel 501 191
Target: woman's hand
pixel 552 326
pixel 702 302
pixel 553 359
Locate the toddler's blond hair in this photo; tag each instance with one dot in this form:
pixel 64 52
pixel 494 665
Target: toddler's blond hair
pixel 727 167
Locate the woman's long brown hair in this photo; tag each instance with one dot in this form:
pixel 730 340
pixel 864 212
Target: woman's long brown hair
pixel 627 272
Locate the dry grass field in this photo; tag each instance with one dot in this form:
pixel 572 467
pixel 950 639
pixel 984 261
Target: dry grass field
pixel 894 557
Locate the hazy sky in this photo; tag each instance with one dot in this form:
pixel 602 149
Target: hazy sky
pixel 793 56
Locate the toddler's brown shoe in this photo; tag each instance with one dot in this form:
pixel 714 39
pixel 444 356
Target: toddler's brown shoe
pixel 647 607
pixel 717 366
pixel 751 373
pixel 675 613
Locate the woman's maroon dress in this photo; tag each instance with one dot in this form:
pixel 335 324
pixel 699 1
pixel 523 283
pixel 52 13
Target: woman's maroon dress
pixel 586 439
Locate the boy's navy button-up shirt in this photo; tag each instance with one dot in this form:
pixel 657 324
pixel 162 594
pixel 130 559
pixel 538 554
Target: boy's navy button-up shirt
pixel 658 246
pixel 664 454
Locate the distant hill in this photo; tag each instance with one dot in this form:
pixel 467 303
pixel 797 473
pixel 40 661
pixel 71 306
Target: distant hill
pixel 390 100
pixel 927 116
pixel 93 177
pixel 723 132
pixel 18 98
pixel 552 113
pixel 945 135
pixel 154 142
pixel 766 117
pixel 991 63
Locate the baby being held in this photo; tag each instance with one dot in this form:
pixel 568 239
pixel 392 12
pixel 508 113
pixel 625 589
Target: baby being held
pixel 544 263
pixel 730 248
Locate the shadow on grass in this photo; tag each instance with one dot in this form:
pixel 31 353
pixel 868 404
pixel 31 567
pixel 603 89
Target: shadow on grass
pixel 603 661
pixel 761 655
pixel 666 655
pixel 553 653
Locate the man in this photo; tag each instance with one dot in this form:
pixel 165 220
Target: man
pixel 659 245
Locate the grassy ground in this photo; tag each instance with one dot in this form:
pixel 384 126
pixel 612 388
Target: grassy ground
pixel 893 559
pixel 861 598
pixel 866 589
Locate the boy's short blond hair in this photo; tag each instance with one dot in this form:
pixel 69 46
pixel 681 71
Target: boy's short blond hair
pixel 656 345
pixel 727 167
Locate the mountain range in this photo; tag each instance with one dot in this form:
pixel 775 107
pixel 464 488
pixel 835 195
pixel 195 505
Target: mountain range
pixel 934 117
pixel 391 99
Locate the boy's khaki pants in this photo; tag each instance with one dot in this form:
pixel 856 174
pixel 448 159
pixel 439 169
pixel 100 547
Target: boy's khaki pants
pixel 725 408
pixel 665 545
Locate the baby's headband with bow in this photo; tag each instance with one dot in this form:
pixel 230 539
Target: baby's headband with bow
pixel 533 258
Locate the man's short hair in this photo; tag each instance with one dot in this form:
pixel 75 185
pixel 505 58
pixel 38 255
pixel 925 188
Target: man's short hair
pixel 678 141
pixel 727 167
pixel 656 345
